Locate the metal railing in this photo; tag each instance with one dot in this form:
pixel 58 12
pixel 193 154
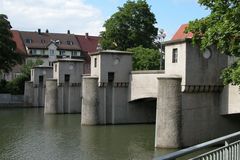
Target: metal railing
pixel 227 152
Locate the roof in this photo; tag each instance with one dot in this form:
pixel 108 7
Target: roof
pixel 180 33
pixel 88 43
pixel 42 40
pixel 112 52
pixel 20 48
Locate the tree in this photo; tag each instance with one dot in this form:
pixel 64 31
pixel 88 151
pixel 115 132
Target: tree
pixel 222 29
pixel 131 26
pixel 8 55
pixel 145 58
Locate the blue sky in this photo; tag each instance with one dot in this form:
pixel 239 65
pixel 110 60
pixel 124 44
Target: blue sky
pixel 82 16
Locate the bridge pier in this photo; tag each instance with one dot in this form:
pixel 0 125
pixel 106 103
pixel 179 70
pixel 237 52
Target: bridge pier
pixel 90 101
pixel 168 113
pixel 51 97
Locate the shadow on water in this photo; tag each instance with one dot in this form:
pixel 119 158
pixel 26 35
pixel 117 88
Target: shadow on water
pixel 26 133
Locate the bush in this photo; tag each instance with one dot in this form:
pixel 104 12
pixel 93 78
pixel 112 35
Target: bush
pixel 16 86
pixel 3 86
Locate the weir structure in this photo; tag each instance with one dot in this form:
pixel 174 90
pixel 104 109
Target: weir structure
pixel 106 92
pixel 63 92
pixel 34 93
pixel 187 101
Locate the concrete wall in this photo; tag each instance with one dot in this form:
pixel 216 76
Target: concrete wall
pixel 229 100
pixel 35 90
pixel 6 99
pixel 120 64
pixel 178 68
pixel 143 84
pixel 200 70
pixel 201 119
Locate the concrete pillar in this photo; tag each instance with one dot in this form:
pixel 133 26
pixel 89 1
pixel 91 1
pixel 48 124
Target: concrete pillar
pixel 28 93
pixel 51 96
pixel 168 114
pixel 90 101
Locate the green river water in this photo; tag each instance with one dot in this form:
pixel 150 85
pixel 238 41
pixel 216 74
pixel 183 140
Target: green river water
pixel 28 134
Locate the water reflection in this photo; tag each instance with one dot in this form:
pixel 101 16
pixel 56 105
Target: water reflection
pixel 29 134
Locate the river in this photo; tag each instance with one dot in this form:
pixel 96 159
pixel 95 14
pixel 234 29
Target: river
pixel 28 134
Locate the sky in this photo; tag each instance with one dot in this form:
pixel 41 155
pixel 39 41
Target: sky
pixel 88 16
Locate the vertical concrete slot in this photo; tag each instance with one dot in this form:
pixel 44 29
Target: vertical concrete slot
pixel 168 114
pixel 51 101
pixel 89 101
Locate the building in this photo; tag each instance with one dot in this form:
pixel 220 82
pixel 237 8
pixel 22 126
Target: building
pixel 50 47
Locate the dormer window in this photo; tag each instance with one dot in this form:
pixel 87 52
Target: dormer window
pixel 57 42
pixel 43 41
pixel 28 40
pixel 70 42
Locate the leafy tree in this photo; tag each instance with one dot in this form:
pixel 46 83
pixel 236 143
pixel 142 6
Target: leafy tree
pixel 220 28
pixel 145 58
pixel 16 86
pixel 131 26
pixel 26 68
pixel 8 55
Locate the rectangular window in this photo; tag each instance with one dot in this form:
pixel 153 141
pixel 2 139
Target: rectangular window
pixel 110 76
pixel 55 67
pixel 50 63
pixel 28 40
pixel 95 62
pixel 62 52
pixel 51 52
pixel 42 52
pixel 74 53
pixel 175 55
pixel 67 77
pixel 40 79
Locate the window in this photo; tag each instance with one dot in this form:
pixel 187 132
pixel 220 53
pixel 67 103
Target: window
pixel 55 67
pixel 57 42
pixel 110 76
pixel 175 55
pixel 70 42
pixel 67 77
pixel 62 52
pixel 28 40
pixel 51 52
pixel 40 79
pixel 95 62
pixel 43 41
pixel 74 53
pixel 33 51
pixel 50 63
pixel 42 52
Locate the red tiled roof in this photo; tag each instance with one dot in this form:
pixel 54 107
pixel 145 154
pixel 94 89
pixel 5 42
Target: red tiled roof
pixel 180 33
pixel 88 43
pixel 42 40
pixel 19 43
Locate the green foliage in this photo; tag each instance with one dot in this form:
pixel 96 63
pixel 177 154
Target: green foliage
pixel 16 86
pixel 222 29
pixel 8 55
pixel 131 26
pixel 231 75
pixel 26 68
pixel 145 58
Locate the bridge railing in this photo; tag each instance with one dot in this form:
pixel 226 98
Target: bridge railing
pixel 227 152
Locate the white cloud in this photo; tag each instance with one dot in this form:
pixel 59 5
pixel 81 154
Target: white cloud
pixel 55 15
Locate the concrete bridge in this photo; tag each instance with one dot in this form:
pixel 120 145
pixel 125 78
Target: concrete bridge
pixel 143 84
